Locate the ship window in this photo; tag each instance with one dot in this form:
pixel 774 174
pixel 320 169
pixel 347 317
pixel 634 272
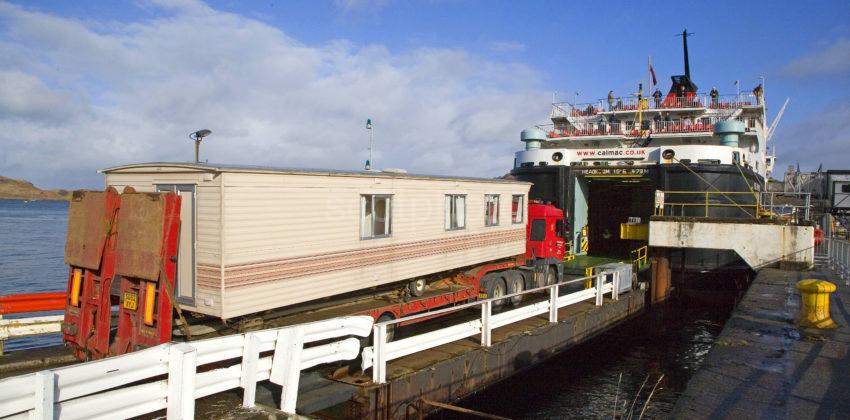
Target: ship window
pixel 517 209
pixel 845 188
pixel 375 216
pixel 491 210
pixel 455 212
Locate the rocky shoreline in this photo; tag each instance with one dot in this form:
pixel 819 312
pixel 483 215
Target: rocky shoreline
pixel 16 189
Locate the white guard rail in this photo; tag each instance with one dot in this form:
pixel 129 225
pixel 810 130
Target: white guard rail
pixel 834 254
pixel 26 327
pixel 377 356
pixel 167 377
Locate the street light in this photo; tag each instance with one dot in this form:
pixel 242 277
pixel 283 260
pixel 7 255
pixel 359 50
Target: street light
pixel 197 137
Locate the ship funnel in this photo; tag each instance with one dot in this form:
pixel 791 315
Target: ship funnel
pixel 532 138
pixel 729 132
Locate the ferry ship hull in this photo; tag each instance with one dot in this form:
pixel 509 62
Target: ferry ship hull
pixel 598 199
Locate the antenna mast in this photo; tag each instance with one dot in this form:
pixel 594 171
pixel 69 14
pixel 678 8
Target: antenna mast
pixel 685 35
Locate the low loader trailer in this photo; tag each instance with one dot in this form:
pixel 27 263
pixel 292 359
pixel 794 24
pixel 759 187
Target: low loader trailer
pixel 195 249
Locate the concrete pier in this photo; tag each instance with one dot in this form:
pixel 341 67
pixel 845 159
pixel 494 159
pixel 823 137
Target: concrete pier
pixel 764 366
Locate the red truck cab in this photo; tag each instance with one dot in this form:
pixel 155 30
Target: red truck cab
pixel 542 232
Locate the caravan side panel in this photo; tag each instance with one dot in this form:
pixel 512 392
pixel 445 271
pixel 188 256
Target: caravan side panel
pixel 292 238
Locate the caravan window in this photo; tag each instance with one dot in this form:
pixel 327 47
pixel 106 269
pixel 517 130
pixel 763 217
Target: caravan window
pixel 375 216
pixel 455 212
pixel 517 209
pixel 491 210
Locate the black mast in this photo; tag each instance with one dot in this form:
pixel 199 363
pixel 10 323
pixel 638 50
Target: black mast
pixel 685 46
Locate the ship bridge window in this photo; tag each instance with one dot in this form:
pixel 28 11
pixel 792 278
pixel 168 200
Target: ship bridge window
pixel 491 210
pixel 375 216
pixel 455 212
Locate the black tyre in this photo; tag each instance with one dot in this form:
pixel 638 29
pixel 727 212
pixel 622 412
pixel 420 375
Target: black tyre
pixel 417 287
pixel 551 276
pixel 516 284
pixel 495 286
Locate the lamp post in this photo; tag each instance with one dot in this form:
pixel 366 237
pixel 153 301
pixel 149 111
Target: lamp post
pixel 197 137
pixel 369 127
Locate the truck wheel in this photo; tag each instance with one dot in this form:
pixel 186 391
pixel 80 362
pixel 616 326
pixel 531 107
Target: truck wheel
pixel 516 284
pixel 416 287
pixel 496 287
pixel 551 276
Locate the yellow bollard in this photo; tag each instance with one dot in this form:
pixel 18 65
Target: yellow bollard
pixel 815 309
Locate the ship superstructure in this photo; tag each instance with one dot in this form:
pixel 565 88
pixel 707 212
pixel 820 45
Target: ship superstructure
pixel 607 162
pixel 690 126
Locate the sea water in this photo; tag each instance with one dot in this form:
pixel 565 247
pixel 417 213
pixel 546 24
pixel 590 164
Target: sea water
pixel 32 243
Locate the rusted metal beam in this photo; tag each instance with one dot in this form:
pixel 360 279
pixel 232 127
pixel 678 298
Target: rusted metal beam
pixel 661 273
pixel 457 409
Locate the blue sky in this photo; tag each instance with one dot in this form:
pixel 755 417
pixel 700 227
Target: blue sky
pixel 449 83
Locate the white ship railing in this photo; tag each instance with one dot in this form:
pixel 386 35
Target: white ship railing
pixel 632 129
pixel 168 376
pixel 834 254
pixel 172 376
pixel 631 104
pixel 383 351
pixel 789 206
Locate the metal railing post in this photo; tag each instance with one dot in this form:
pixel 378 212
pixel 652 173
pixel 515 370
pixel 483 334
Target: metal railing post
pixel 486 332
pixel 615 286
pixel 181 381
pixel 600 278
pixel 250 359
pixel 45 385
pixel 846 273
pixel 553 304
pixel 829 252
pixel 379 365
pixel 808 203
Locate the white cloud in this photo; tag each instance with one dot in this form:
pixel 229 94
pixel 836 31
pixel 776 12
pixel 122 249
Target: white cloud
pixel 360 5
pixel 822 138
pixel 82 96
pixel 507 46
pixel 832 59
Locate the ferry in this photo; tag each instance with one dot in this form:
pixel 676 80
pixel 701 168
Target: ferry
pixel 617 161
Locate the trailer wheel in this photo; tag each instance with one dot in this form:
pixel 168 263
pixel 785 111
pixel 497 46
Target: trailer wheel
pixel 390 329
pixel 516 284
pixel 495 286
pixel 416 287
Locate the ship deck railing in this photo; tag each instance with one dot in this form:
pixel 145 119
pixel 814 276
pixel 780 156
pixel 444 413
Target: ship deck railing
pixel 632 129
pixel 790 208
pixel 701 101
pixel 834 253
pixel 171 376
